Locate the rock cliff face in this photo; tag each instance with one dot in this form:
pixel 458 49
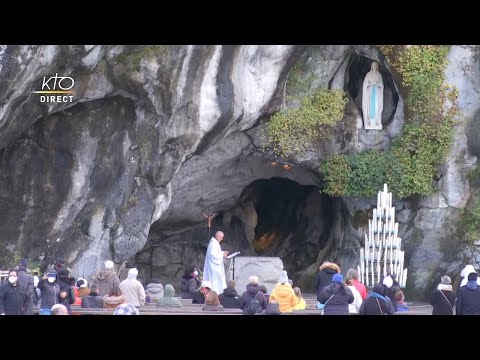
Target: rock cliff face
pixel 157 136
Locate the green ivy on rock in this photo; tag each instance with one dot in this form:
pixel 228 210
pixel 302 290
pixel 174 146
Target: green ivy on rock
pixel 133 58
pixel 311 115
pixel 469 226
pixel 293 131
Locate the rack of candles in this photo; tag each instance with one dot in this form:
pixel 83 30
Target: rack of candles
pixel 382 254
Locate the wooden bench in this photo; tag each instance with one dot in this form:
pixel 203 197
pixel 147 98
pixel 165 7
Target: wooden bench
pixel 151 306
pixel 197 310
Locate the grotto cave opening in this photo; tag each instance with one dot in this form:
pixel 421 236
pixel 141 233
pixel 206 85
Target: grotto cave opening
pixel 275 217
pixel 293 220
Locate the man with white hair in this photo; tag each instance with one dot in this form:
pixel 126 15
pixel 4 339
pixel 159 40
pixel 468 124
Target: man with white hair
pixel 106 279
pixel 59 309
pixel 133 289
pixel 214 269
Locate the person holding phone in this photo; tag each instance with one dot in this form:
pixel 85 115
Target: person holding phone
pixel 50 292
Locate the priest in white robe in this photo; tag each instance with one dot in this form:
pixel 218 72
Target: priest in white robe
pixel 214 269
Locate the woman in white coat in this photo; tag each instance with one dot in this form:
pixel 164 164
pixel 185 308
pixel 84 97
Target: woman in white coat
pixel 354 307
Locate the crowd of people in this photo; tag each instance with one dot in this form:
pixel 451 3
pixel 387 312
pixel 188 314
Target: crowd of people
pixel 56 291
pixel 349 295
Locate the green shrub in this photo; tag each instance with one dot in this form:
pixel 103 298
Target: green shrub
pixel 133 58
pixel 470 220
pixel 102 67
pixel 422 70
pixel 473 177
pixel 367 173
pixel 336 173
pixel 293 131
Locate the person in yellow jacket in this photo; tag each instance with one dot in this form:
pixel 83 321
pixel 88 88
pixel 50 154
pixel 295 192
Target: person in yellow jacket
pixel 302 304
pixel 283 293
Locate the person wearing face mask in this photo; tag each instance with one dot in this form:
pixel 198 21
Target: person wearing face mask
pixel 14 297
pixel 190 282
pixel 50 292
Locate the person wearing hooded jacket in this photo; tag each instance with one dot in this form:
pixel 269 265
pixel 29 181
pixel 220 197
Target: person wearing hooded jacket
pixel 169 299
pixel 253 291
pixel 113 299
pixel 50 292
pixel 106 279
pixel 284 294
pixel 468 297
pixel 154 290
pixel 377 302
pixel 132 289
pixel 325 275
pixel 336 297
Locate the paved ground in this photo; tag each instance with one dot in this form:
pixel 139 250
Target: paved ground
pixel 418 308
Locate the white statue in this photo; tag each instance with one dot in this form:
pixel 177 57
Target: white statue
pixel 372 98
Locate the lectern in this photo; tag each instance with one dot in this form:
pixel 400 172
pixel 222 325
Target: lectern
pixel 232 256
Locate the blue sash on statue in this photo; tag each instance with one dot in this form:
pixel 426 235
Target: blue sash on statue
pixel 373 99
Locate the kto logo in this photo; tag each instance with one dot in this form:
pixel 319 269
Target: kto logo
pixel 56 85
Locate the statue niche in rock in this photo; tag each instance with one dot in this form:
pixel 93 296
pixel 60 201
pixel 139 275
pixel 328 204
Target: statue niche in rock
pixel 372 98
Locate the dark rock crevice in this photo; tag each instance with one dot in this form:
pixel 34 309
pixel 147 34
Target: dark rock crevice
pixel 272 217
pixel 472 136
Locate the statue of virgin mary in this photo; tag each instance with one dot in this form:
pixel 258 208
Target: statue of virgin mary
pixel 372 98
